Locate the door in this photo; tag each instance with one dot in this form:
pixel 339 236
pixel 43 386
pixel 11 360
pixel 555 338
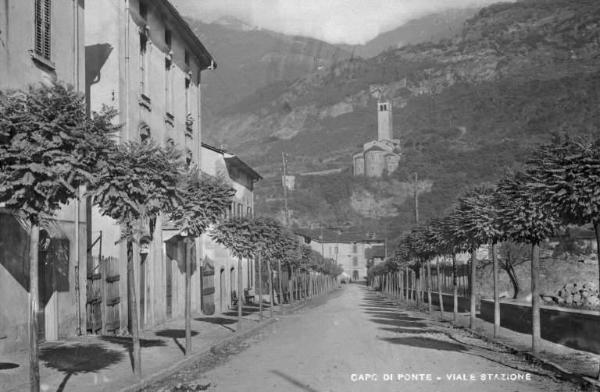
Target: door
pixel 222 290
pixel 207 287
pixel 169 286
pixel 231 285
pixel 53 264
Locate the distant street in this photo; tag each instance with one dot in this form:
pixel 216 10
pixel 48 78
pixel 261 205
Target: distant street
pixel 354 339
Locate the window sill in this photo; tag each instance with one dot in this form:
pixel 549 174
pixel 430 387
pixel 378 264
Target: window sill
pixel 42 61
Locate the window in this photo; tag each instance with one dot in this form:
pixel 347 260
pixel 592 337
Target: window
pixel 168 38
pixel 249 212
pixel 240 210
pixel 354 250
pixel 168 85
pixel 186 58
pixel 43 17
pixel 355 261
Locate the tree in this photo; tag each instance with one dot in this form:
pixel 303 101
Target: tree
pixel 525 218
pixel 510 254
pixel 49 148
pixel 204 199
pixel 140 183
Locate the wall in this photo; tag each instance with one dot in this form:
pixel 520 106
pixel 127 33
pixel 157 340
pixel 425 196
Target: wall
pixel 577 329
pixel 155 98
pixel 63 305
pixel 374 163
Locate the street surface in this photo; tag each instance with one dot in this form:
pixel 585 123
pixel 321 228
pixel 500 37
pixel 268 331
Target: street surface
pixel 354 341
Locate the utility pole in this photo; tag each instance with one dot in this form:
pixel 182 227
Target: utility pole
pixel 416 196
pixel 284 183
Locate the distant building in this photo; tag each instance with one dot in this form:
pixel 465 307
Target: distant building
pixel 218 271
pixel 382 155
pixel 41 41
pixel 350 251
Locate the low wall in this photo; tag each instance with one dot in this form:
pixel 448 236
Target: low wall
pixel 577 329
pixel 464 303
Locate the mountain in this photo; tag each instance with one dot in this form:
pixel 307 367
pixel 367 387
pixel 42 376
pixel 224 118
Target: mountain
pixel 465 109
pixel 432 27
pixel 249 58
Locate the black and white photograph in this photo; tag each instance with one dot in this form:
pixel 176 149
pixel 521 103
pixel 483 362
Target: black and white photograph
pixel 299 195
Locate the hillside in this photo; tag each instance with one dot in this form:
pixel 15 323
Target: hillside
pixel 249 58
pixel 431 27
pixel 464 108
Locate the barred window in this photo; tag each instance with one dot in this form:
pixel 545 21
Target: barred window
pixel 42 28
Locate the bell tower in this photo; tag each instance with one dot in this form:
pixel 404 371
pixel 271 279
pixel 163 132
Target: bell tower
pixel 384 120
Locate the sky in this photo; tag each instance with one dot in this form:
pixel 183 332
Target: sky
pixel 334 21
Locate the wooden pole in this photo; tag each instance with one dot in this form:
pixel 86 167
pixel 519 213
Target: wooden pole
pixel 454 289
pixel 472 291
pixel 34 297
pixel 240 285
pixel 135 329
pixel 270 287
pixel 430 305
pixel 496 290
pixel 188 299
pixel 535 298
pixel 279 275
pixel 260 288
pixel 440 289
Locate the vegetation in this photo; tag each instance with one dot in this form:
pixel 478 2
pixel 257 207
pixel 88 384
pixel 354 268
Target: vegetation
pixel 49 148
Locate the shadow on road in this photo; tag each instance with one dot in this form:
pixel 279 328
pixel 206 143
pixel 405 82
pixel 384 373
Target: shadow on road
pixel 421 342
pixel 73 359
pixel 127 343
pixel 415 331
pixel 399 323
pixel 294 381
pixel 175 334
pixel 222 321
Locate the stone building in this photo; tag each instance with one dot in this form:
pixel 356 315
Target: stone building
pixel 219 267
pixel 382 155
pixel 143 59
pixel 41 41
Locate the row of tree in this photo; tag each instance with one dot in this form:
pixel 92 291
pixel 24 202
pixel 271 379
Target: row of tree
pixel 558 186
pixel 52 153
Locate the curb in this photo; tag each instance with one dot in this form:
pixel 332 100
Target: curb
pixel 195 356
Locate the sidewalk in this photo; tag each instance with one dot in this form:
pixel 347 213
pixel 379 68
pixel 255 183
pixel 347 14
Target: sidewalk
pixel 103 363
pixel 580 366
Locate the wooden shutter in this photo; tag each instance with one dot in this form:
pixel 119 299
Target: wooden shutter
pixel 43 16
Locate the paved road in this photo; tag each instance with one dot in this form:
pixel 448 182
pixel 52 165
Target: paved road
pixel 354 339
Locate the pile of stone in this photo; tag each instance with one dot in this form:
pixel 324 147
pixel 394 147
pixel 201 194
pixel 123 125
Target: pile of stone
pixel 579 295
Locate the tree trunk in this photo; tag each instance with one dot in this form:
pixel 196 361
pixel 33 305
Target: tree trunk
pixel 34 297
pixel 439 288
pixel 454 289
pixel 135 329
pixel 270 287
pixel 535 298
pixel 510 271
pixel 240 293
pixel 472 291
pixel 430 306
pixel 280 284
pixel 496 291
pixel 260 288
pixel 597 231
pixel 188 300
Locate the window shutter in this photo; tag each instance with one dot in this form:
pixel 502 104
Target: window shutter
pixel 42 22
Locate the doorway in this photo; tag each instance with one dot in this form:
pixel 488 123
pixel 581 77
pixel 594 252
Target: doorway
pixel 222 290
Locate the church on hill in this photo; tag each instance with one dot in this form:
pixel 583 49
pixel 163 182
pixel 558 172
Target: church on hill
pixel 382 155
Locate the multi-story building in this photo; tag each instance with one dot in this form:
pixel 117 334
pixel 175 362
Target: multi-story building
pixel 143 59
pixel 41 41
pixel 219 267
pixel 382 155
pixel 351 251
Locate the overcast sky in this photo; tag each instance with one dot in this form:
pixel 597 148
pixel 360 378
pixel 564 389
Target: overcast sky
pixel 334 21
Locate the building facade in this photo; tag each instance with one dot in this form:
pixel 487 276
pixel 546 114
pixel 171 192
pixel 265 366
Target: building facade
pixel 352 254
pixel 41 41
pixel 382 155
pixel 143 59
pixel 219 267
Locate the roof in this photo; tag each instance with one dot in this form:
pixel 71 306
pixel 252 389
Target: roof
pixel 213 148
pixel 235 161
pixel 196 47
